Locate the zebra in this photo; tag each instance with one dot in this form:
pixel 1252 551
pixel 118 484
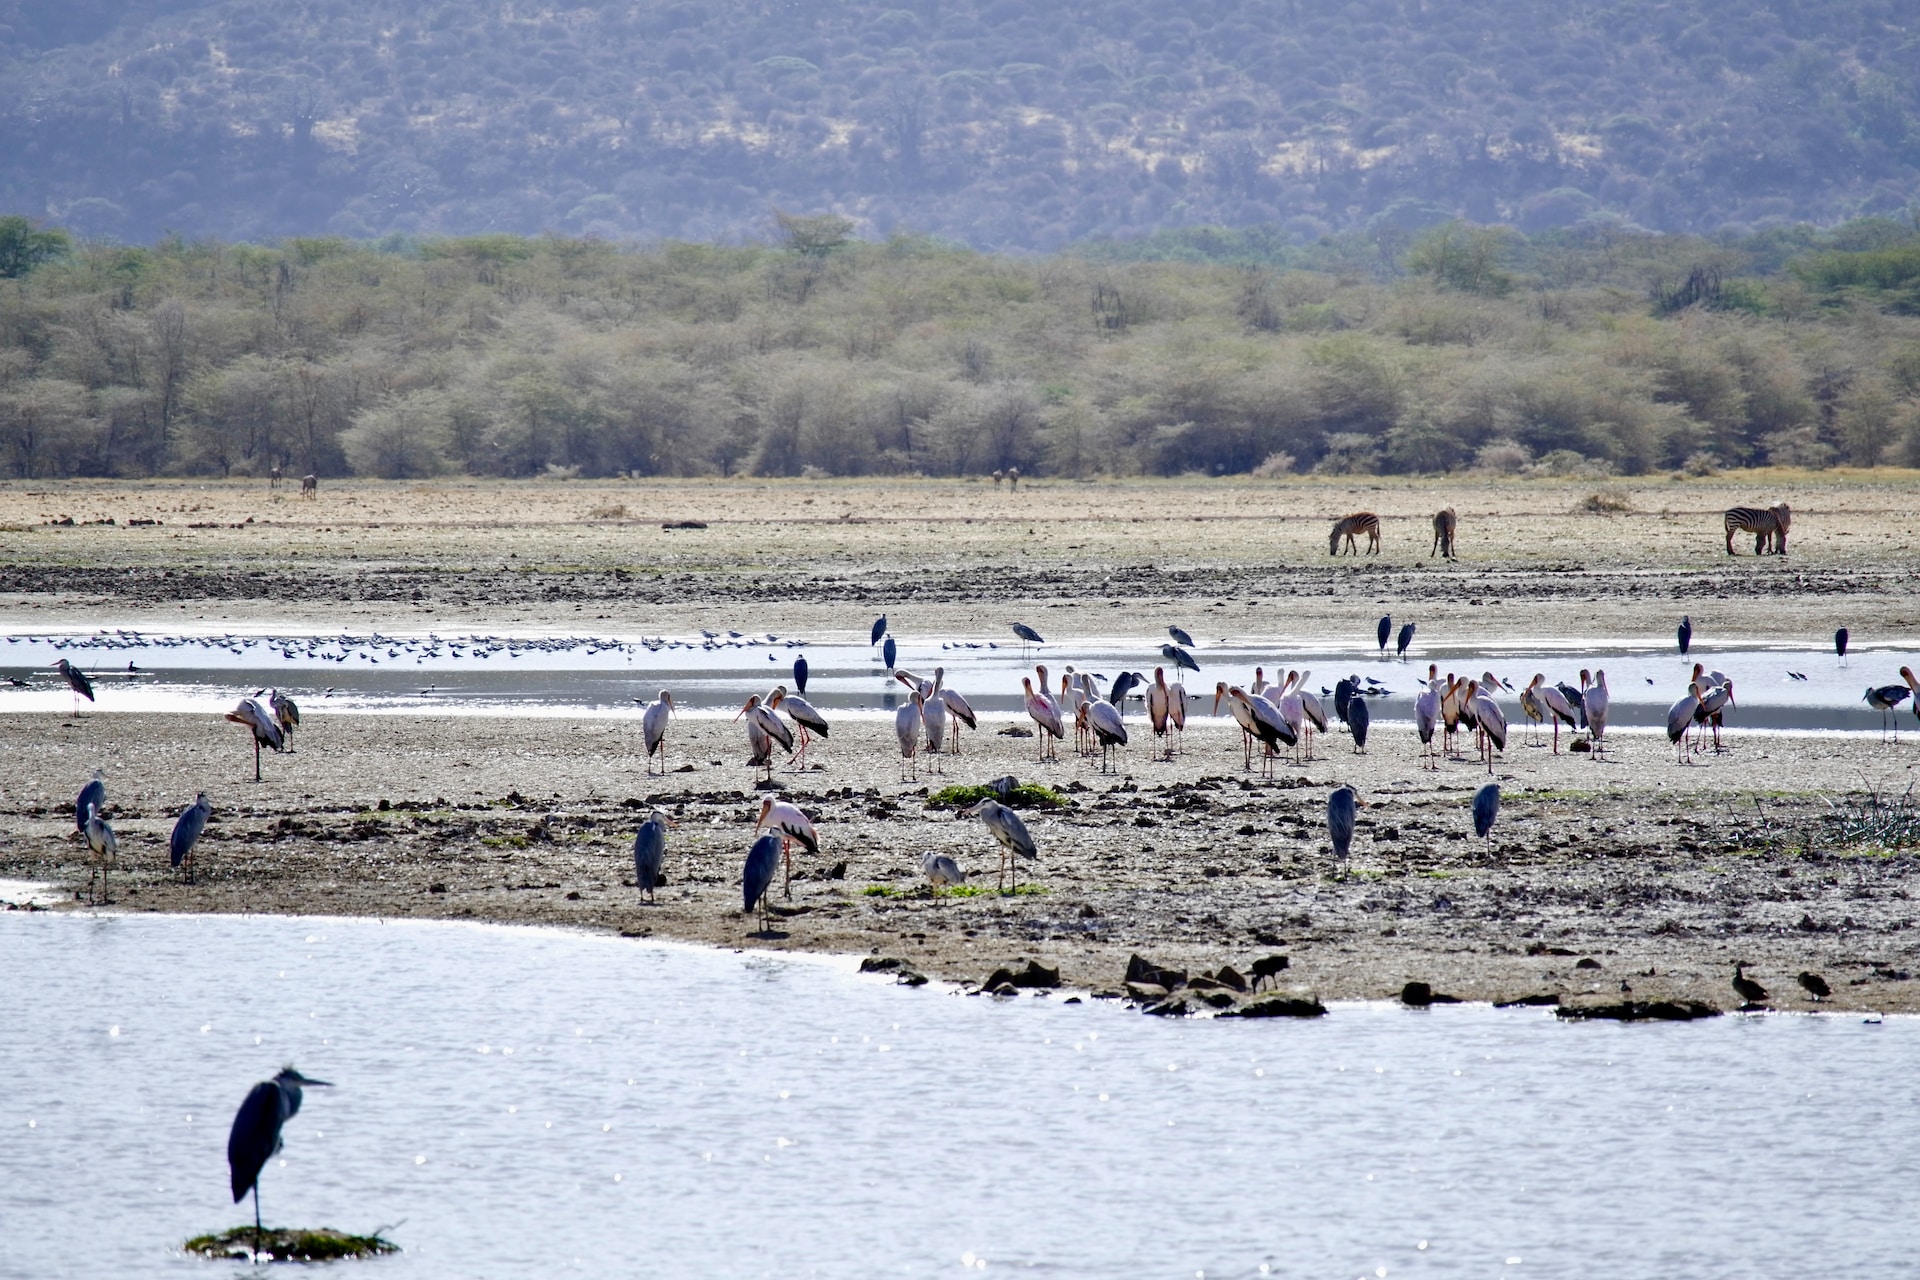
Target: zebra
pixel 1443 526
pixel 1768 525
pixel 1352 526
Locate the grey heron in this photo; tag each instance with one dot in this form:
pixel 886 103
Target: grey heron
pixel 653 728
pixel 264 728
pixel 105 849
pixel 800 674
pixel 1840 645
pixel 1384 631
pixel 1027 635
pixel 791 824
pixel 1340 816
pixel 1406 638
pixel 888 651
pixel 92 796
pixel 1685 635
pixel 1179 657
pixel 1886 699
pixel 255 1136
pixel 286 714
pixel 186 834
pixel 77 681
pixel 1180 637
pixel 650 853
pixel 1486 807
pixel 1015 841
pixel 940 870
pixel 879 629
pixel 756 878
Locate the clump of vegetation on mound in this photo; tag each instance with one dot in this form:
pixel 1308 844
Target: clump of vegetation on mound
pixel 281 1244
pixel 1028 795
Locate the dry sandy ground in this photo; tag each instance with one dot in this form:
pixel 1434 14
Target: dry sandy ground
pixel 1662 875
pixel 1236 557
pixel 1634 871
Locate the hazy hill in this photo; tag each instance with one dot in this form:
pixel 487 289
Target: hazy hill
pixel 1001 123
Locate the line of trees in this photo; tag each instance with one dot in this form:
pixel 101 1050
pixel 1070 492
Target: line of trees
pixel 1591 352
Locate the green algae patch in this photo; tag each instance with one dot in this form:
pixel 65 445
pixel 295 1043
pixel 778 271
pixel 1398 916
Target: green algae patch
pixel 1028 795
pixel 282 1244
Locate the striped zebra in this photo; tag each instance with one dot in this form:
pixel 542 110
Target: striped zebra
pixel 1768 525
pixel 1351 527
pixel 1443 526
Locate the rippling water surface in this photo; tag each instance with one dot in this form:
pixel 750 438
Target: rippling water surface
pixel 560 675
pixel 522 1103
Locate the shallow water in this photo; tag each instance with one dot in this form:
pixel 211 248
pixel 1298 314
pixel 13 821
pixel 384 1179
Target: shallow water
pixel 527 1102
pixel 589 676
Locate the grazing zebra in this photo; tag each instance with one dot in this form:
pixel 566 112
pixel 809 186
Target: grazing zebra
pixel 1768 525
pixel 1443 525
pixel 1352 526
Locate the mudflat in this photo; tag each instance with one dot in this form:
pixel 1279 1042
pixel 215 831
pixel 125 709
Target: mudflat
pixel 1627 877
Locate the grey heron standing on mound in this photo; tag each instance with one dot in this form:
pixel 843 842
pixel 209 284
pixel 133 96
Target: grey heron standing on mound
pixel 756 879
pixel 650 853
pixel 1007 828
pixel 255 1137
pixel 1340 817
pixel 1486 807
pixel 186 834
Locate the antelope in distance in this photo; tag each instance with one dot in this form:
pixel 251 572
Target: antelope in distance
pixel 1352 527
pixel 1443 526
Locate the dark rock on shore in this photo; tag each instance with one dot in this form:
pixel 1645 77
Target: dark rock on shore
pixel 1279 1007
pixel 1641 1011
pixel 1544 998
pixel 1418 995
pixel 1141 969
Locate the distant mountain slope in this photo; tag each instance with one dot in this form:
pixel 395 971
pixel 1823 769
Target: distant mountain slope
pixel 1002 123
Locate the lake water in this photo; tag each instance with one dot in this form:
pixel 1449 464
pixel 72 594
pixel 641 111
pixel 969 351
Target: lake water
pixel 516 1102
pixel 587 676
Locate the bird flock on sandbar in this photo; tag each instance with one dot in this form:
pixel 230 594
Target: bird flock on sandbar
pixel 1284 718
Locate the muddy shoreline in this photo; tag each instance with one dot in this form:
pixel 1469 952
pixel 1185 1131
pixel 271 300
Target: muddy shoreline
pixel 1636 871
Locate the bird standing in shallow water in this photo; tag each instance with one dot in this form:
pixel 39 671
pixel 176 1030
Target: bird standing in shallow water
pixel 1384 632
pixel 77 681
pixel 1886 700
pixel 1840 645
pixel 255 1136
pixel 1406 638
pixel 1685 635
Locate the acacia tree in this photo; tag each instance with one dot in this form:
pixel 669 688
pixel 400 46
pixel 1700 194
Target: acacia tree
pixel 24 246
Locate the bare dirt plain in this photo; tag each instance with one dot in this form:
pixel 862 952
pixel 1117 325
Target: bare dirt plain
pixel 1661 875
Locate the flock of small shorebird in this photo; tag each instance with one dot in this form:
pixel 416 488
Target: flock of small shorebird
pixel 1285 714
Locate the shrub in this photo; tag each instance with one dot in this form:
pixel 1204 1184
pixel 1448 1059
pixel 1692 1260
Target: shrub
pixel 1502 457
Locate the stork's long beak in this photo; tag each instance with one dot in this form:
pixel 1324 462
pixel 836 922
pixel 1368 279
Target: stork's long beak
pixel 744 709
pixel 300 1079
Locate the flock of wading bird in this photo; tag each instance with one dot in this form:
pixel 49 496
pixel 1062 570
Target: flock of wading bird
pixel 1284 715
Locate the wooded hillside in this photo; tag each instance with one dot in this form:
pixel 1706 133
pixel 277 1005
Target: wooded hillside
pixel 1573 353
